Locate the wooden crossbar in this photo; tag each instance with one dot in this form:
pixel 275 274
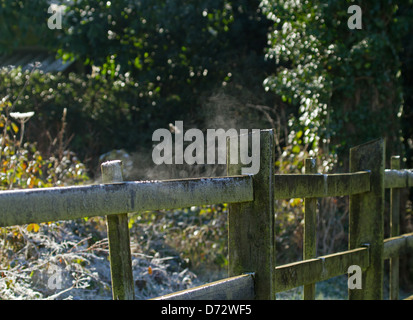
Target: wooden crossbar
pixel 397 246
pixel 398 178
pixel 19 207
pixel 320 185
pixel 233 288
pixel 305 272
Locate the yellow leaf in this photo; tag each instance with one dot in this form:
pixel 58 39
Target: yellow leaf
pixel 15 127
pixel 296 149
pixel 33 227
pixel 150 270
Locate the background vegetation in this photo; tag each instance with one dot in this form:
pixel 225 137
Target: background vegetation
pixel 140 65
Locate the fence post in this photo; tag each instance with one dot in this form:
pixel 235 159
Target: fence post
pixel 310 223
pixel 251 245
pixel 119 241
pixel 394 231
pixel 366 217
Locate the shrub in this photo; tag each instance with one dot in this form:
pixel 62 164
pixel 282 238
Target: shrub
pixel 23 166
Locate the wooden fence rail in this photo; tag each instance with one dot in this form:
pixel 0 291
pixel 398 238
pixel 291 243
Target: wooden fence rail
pixel 67 203
pixel 309 271
pixel 234 288
pixel 253 273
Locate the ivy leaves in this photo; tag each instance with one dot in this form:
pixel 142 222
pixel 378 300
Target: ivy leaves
pixel 338 79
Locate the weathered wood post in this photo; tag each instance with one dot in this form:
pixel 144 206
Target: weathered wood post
pixel 119 241
pixel 310 224
pixel 251 245
pixel 366 218
pixel 394 231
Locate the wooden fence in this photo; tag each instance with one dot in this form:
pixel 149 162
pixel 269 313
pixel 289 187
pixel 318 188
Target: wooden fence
pixel 253 273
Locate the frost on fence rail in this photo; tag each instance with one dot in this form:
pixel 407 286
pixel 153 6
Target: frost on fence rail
pixel 320 185
pixel 305 272
pixel 397 246
pixel 19 207
pixel 233 288
pixel 398 178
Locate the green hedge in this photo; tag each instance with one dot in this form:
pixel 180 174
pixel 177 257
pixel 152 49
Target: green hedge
pixel 101 114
